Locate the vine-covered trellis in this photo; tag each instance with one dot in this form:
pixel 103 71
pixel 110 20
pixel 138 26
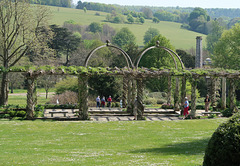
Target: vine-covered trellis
pixel 133 84
pixel 31 73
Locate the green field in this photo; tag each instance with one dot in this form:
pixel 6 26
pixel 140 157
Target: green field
pixel 19 96
pixel 180 143
pixel 180 38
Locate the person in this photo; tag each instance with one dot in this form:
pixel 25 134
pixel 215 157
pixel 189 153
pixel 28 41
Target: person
pixel 121 103
pixel 207 101
pixel 109 101
pixel 186 107
pixel 98 101
pixel 103 102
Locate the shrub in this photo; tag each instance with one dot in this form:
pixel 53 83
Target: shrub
pixel 117 104
pixel 12 113
pixel 62 106
pixel 92 104
pixel 164 94
pixel 224 146
pixel 150 101
pixel 167 106
pixel 67 97
pixel 97 14
pixel 113 104
pixel 161 101
pixel 227 112
pixel 68 84
pixel 200 107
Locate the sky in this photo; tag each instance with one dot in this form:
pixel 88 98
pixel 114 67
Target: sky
pixel 173 3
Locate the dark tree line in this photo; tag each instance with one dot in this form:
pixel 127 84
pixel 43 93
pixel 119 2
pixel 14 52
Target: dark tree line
pixel 60 3
pixel 96 6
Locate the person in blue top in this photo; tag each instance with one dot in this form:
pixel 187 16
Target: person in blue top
pixel 98 101
pixel 186 107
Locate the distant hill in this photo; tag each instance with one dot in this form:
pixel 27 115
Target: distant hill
pixel 180 38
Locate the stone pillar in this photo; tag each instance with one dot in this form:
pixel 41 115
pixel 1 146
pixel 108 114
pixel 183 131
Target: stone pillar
pixel 183 93
pixel 31 97
pixel 124 91
pixel 140 108
pixel 223 93
pixel 198 58
pixel 232 93
pixel 176 96
pixel 169 90
pixel 193 97
pixel 83 97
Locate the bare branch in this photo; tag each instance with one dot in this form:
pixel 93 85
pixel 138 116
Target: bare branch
pixel 16 60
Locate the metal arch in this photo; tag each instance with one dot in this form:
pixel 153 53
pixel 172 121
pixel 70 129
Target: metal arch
pixel 153 48
pixel 180 60
pixel 166 49
pixel 126 56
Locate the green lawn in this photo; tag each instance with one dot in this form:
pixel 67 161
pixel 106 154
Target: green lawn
pixel 180 38
pixel 105 143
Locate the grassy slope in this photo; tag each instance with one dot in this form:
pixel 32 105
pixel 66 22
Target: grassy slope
pixel 180 38
pixel 105 143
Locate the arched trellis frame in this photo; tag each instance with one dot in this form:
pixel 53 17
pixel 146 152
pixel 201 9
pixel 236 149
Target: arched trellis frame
pixel 126 56
pixel 140 89
pixel 83 85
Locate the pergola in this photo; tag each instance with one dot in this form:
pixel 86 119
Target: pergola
pixel 133 77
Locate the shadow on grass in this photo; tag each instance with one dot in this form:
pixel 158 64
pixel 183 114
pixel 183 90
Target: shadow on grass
pixel 187 148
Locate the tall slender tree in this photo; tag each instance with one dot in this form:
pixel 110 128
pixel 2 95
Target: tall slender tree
pixel 19 32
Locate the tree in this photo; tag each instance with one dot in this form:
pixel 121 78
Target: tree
pixel 158 58
pixel 124 37
pixel 130 18
pixel 214 36
pixel 95 27
pixel 147 12
pixel 227 51
pixel 187 59
pixel 155 20
pixel 198 19
pixel 141 19
pixel 19 31
pixel 47 82
pixel 85 10
pixel 149 34
pixel 64 42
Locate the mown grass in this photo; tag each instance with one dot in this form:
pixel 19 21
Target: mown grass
pixel 22 100
pixel 180 38
pixel 19 97
pixel 105 143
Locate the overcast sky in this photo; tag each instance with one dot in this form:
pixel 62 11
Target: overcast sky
pixel 173 3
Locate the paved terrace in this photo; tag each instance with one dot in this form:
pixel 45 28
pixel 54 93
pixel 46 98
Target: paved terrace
pixel 116 114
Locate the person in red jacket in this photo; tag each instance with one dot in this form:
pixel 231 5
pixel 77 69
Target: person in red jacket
pixel 109 100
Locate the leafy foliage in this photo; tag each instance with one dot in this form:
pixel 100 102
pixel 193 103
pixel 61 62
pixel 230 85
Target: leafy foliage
pixel 227 51
pixel 101 85
pixel 187 59
pixel 224 146
pixel 95 27
pixel 198 19
pixel 68 84
pixel 124 37
pixel 149 34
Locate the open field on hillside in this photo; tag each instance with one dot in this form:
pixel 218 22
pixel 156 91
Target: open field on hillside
pixel 38 142
pixel 180 38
